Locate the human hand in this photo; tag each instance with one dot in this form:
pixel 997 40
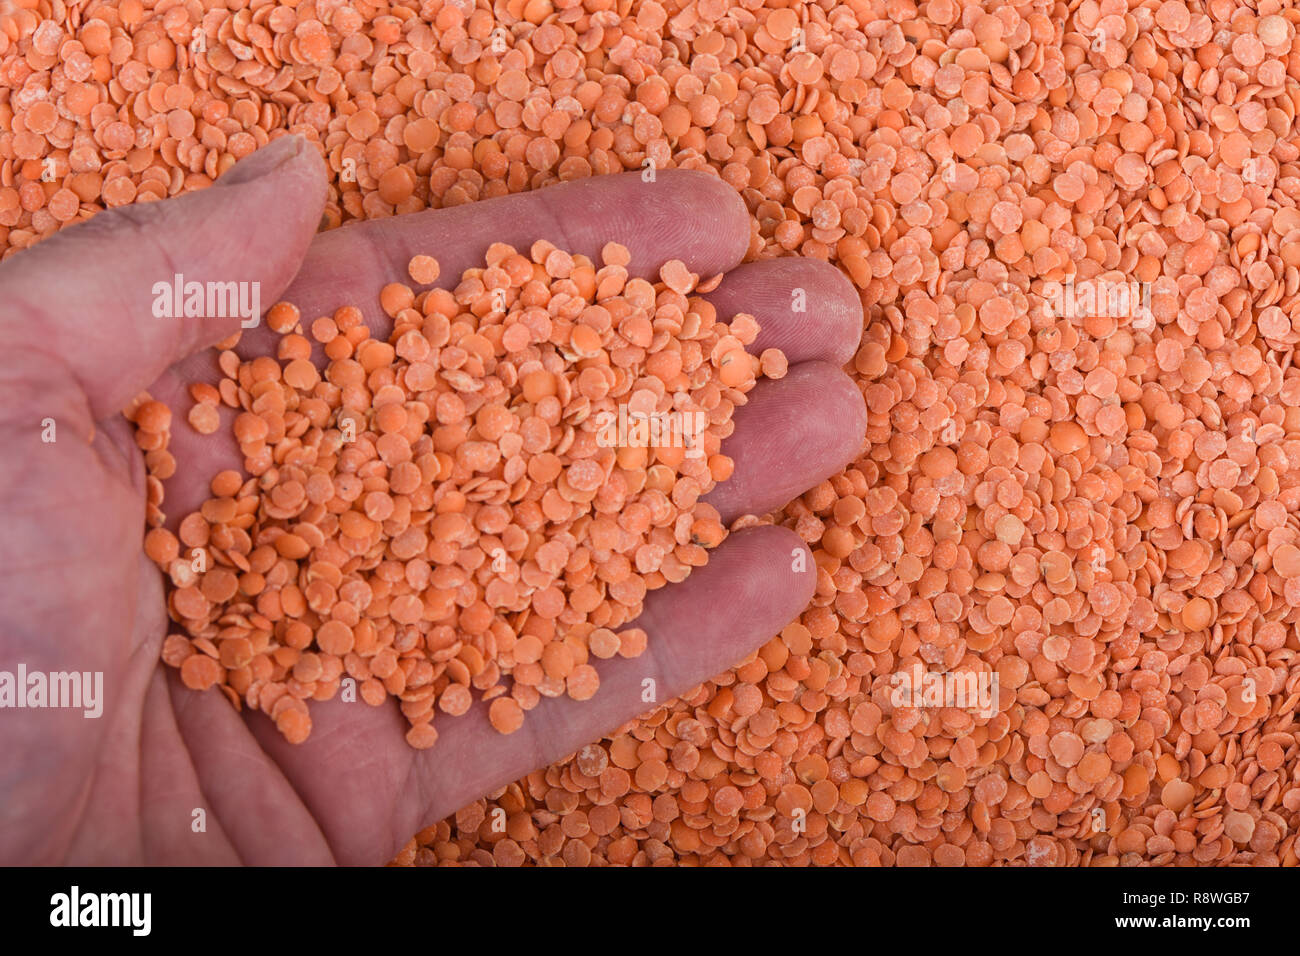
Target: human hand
pixel 79 594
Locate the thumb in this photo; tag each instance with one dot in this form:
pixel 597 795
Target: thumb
pixel 83 308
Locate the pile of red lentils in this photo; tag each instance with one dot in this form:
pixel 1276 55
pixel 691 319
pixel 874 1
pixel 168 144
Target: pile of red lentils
pixel 1096 507
pixel 474 451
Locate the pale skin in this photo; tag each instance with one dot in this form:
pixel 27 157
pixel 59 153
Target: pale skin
pixel 78 593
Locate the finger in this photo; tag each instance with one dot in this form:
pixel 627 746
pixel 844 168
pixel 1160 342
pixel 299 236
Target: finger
pixel 683 214
pixel 805 307
pixel 83 301
pixel 252 811
pixel 357 757
pixel 792 434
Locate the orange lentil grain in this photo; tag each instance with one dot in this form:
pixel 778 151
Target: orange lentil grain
pixel 283 317
pixel 424 270
pixel 505 715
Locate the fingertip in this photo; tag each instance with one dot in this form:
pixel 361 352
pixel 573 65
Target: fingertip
pixel 754 583
pixel 792 548
pixel 793 433
pixel 781 581
pixel 281 156
pixel 286 184
pixel 719 223
pixel 658 215
pixel 807 308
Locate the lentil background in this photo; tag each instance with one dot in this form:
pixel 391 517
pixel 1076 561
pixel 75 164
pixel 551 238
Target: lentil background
pixel 1100 511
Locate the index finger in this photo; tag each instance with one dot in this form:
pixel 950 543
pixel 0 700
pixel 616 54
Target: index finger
pixel 681 214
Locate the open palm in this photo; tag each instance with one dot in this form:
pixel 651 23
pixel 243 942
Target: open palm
pixel 77 592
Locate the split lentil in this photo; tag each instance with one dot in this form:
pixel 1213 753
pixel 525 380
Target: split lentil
pixel 1100 511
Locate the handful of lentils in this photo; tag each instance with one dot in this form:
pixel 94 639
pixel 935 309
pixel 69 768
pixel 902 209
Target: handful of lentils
pixel 446 511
